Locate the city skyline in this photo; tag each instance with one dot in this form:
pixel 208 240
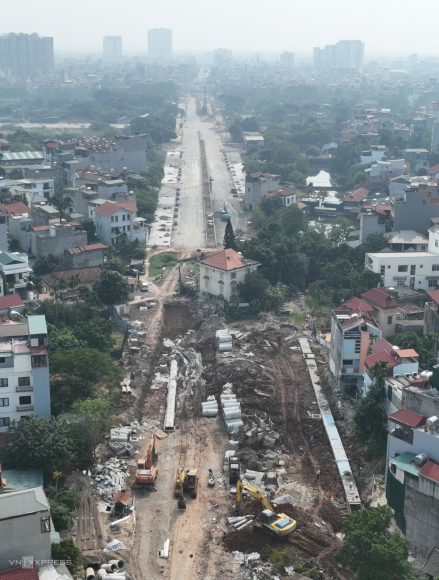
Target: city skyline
pixel 294 32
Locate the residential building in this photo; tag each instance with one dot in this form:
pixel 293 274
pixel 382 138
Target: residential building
pixel 26 55
pixel 397 185
pixel 353 201
pixel 374 219
pixel 87 277
pixel 14 269
pixel 56 238
pixel 221 273
pixel 419 270
pixel 24 370
pixel 415 209
pixel 400 361
pixel 22 158
pixel 382 171
pixel 159 44
pixel 416 157
pixel 288 196
pixel 10 302
pixel 253 140
pixel 86 256
pixel 353 330
pixel 407 240
pixel 45 215
pixel 375 153
pixel 287 59
pixel 113 219
pixel 26 524
pixel 385 309
pixel 256 185
pixel 112 46
pixel 431 319
pixel 346 54
pixel 222 57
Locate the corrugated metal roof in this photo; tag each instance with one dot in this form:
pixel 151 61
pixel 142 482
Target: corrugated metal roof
pixel 431 471
pixel 404 460
pixel 19 503
pixel 407 418
pixel 431 566
pixel 37 324
pixel 22 155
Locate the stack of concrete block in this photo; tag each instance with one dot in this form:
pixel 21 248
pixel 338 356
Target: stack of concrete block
pixel 231 411
pixel 110 478
pixel 259 430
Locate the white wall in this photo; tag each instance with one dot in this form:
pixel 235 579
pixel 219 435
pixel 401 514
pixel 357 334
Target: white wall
pixel 229 288
pixel 423 262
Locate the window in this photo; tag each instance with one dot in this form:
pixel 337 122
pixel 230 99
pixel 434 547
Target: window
pixel 389 319
pixel 23 381
pixel 128 228
pixel 45 524
pixel 347 363
pixel 403 268
pixel 112 240
pixel 400 283
pixel 435 268
pixel 112 218
pixel 412 270
pixel 233 274
pixel 128 216
pixel 382 270
pixel 39 361
pixel 27 400
pixel 4 421
pixel 4 402
pixel 436 243
pixel 424 202
pixel 206 283
pixel 388 266
pixel 423 248
pixel 2 360
pixel 248 189
pixel 421 266
pixel 124 217
pixel 123 228
pixel 3 382
pixel 432 283
pixel 116 218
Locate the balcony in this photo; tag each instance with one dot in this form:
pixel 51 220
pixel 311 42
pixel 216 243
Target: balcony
pixel 403 434
pixel 25 408
pixel 24 389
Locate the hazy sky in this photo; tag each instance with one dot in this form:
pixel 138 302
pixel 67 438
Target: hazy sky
pixel 386 26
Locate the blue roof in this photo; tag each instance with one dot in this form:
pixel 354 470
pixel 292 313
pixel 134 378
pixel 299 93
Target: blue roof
pixel 37 324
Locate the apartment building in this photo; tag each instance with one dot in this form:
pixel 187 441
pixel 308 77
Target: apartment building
pixel 112 47
pixel 26 55
pixel 24 370
pixel 287 59
pixel 346 54
pixel 159 44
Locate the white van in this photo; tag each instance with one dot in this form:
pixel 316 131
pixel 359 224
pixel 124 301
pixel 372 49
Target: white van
pixel 144 286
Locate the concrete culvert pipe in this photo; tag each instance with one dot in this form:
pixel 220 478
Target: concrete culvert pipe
pixel 224 338
pixel 233 414
pixel 119 563
pixel 210 412
pixel 114 576
pixel 108 568
pixel 225 347
pixel 232 403
pixel 89 574
pixel 102 572
pixel 207 404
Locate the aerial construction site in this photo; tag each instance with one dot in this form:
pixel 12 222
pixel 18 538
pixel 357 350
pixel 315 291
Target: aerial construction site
pixel 241 446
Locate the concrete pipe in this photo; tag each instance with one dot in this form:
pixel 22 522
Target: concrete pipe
pixel 233 414
pixel 102 572
pixel 119 563
pixel 225 347
pixel 227 397
pixel 224 338
pixel 108 568
pixel 231 407
pixel 230 402
pixel 208 404
pixel 114 576
pixel 244 525
pixel 89 574
pixel 210 412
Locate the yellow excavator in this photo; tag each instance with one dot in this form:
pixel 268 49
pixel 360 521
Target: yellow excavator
pixel 278 524
pixel 186 480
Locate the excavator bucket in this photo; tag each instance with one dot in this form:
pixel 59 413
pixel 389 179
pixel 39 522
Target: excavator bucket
pixel 181 503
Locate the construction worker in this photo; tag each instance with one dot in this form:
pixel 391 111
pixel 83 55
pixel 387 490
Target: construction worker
pixel 311 438
pixel 318 474
pixel 320 574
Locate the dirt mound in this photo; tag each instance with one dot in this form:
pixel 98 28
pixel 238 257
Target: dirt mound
pixel 331 515
pixel 251 541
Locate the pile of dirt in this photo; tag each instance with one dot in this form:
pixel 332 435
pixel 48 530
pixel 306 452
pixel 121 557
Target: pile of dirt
pixel 331 515
pixel 248 541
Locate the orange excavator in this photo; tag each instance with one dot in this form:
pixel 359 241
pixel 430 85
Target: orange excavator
pixel 146 472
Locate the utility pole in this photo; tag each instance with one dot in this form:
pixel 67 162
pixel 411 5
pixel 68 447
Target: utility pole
pixel 205 98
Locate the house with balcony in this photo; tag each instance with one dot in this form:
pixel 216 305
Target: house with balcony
pixel 400 361
pixel 221 273
pixel 24 370
pixel 417 269
pixel 385 309
pixel 375 219
pixel 14 271
pixel 56 238
pixel 256 185
pixel 113 219
pixel 353 330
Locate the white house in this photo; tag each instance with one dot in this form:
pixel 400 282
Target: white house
pixel 400 361
pixel 220 274
pixel 419 270
pixel 112 219
pixel 382 171
pixel 256 184
pixel 24 370
pixel 288 196
pixel 15 269
pixel 375 153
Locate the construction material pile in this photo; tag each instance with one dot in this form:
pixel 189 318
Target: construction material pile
pixel 231 409
pixel 110 478
pixel 122 440
pixel 210 407
pixel 113 570
pixel 224 340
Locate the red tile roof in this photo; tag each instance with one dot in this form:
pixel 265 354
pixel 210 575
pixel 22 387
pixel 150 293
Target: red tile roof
pixel 407 418
pixel 380 345
pixel 430 470
pixel 434 169
pixel 382 356
pixel 380 297
pixel 259 174
pixel 225 260
pixel 406 353
pixel 434 295
pixel 39 228
pixel 383 209
pixel 357 195
pixel 108 208
pixel 15 208
pixel 10 301
pixel 355 304
pixel 20 574
pixel 88 247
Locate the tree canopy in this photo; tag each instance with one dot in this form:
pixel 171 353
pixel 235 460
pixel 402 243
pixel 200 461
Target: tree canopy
pixel 229 237
pixel 112 288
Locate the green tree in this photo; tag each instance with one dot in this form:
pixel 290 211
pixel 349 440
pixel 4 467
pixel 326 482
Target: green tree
pixel 364 280
pixel 47 263
pixel 63 505
pixel 423 345
pixel 422 171
pixel 61 340
pixel 37 443
pixel 112 288
pixel 371 550
pixel 94 419
pixel 89 226
pixel 270 205
pixel 313 150
pixel 236 133
pixel 254 287
pixel 67 551
pixel 87 366
pixel 34 284
pixel 96 333
pixel 229 237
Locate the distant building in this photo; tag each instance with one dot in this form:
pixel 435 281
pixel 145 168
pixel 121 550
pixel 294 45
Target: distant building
pixel 85 256
pixel 26 54
pixel 112 47
pixel 346 54
pixel 222 57
pixel 25 516
pixel 56 238
pixel 160 44
pixel 113 219
pixel 87 277
pixel 14 269
pixel 253 140
pixel 24 371
pixel 256 185
pixel 287 59
pixel 221 273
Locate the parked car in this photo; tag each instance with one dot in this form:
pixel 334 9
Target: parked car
pixel 144 287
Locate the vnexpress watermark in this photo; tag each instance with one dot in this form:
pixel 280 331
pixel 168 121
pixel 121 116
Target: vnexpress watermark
pixel 28 562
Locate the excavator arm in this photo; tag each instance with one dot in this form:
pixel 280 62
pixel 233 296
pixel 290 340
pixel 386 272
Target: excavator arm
pixel 254 492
